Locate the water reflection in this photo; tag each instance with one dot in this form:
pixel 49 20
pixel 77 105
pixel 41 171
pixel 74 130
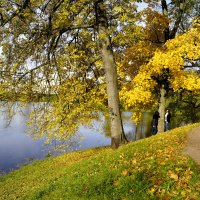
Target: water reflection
pixel 17 147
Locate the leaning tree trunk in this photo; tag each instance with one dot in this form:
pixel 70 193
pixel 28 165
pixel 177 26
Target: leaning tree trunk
pixel 117 133
pixel 161 121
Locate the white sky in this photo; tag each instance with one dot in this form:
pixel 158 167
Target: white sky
pixel 141 6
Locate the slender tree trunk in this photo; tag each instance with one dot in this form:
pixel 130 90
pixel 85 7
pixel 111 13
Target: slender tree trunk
pixel 161 109
pixel 165 12
pixel 168 34
pixel 117 133
pixel 161 121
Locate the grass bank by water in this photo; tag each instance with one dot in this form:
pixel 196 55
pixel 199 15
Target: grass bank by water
pixel 152 168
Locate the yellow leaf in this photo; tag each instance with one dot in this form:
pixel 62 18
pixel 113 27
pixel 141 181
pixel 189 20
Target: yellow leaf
pixel 125 172
pixel 133 161
pixel 151 191
pixel 174 176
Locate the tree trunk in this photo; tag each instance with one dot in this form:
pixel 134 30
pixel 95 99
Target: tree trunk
pixel 161 121
pixel 117 133
pixel 165 12
pixel 167 35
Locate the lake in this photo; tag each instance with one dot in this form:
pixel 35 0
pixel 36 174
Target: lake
pixel 17 147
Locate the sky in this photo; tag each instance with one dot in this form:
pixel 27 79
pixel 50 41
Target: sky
pixel 141 6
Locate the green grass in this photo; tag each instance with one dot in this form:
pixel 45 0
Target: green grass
pixel 152 168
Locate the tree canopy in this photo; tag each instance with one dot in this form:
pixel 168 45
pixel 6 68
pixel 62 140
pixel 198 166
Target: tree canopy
pixel 72 54
pixel 175 66
pixel 160 21
pixel 62 47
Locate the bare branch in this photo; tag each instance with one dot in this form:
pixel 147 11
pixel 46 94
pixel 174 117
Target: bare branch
pixel 31 70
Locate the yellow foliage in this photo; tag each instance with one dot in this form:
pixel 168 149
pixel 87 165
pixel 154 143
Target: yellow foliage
pixel 169 63
pixel 77 103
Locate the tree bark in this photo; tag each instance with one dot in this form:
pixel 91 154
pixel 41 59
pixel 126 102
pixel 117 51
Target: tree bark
pixel 165 12
pixel 161 110
pixel 117 133
pixel 167 35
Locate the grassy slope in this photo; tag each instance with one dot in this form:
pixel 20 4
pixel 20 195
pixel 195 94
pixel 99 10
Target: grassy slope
pixel 153 168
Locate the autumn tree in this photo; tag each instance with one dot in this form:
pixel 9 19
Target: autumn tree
pixel 58 48
pixel 160 22
pixel 167 69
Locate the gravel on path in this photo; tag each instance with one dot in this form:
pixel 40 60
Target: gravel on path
pixel 193 145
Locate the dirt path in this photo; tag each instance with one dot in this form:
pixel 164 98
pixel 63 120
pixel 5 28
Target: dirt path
pixel 193 145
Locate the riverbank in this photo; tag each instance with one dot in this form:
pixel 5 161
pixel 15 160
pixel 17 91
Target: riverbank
pixel 152 168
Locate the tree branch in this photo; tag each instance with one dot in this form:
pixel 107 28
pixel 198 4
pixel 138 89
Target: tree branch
pixel 178 21
pixel 31 70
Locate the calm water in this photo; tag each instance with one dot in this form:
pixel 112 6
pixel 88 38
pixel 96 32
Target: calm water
pixel 17 147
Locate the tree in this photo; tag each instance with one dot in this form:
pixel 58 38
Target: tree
pixel 59 47
pixel 161 22
pixel 168 69
pixel 185 105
